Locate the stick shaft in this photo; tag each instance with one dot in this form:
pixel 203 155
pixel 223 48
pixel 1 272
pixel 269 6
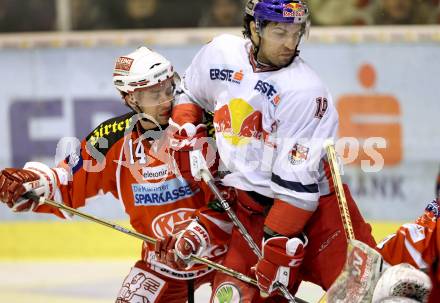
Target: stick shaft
pixel 140 236
pixel 210 182
pixel 234 219
pixel 340 194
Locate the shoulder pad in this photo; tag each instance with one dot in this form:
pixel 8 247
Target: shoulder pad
pixel 112 130
pixel 209 121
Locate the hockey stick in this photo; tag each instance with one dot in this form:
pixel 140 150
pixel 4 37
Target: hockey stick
pixel 362 269
pixel 209 263
pixel 200 170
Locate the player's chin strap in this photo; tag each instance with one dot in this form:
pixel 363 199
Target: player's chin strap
pixel 137 109
pixel 263 66
pixel 256 47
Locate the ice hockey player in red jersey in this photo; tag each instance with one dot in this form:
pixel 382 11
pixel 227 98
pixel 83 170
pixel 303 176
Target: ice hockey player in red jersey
pixel 124 156
pixel 408 254
pixel 417 244
pixel 414 249
pixel 272 114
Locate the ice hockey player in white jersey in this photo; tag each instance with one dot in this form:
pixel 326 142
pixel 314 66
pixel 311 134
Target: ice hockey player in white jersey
pixel 271 114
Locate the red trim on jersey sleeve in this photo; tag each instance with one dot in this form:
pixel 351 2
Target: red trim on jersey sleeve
pixel 286 219
pixel 413 243
pixel 187 113
pixel 86 182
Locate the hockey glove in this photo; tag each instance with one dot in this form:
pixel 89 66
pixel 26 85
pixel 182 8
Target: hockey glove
pixel 183 139
pixel 188 238
pixel 281 259
pixel 16 182
pixel 402 281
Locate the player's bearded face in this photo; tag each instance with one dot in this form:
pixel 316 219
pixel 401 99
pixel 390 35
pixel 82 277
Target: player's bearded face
pixel 156 101
pixel 278 43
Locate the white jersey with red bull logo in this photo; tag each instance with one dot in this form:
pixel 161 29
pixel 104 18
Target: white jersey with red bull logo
pixel 269 125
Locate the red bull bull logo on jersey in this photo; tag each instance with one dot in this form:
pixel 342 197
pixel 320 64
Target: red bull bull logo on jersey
pixel 293 10
pixel 238 122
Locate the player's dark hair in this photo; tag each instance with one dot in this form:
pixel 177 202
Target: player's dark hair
pixel 247 25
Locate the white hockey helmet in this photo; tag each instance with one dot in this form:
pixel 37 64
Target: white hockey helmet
pixel 402 281
pixel 140 69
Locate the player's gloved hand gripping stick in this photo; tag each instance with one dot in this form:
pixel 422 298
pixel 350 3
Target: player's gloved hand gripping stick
pixel 30 194
pixel 41 200
pixel 199 170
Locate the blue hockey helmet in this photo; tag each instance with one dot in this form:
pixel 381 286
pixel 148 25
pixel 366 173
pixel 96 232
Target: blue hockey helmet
pixel 286 11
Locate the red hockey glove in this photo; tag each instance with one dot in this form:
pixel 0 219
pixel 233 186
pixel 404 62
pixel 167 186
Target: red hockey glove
pixel 188 238
pixel 187 139
pixel 281 259
pixel 164 250
pixel 15 182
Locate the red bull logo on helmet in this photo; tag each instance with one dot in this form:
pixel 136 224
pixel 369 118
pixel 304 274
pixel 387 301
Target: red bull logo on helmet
pixel 238 122
pixel 293 10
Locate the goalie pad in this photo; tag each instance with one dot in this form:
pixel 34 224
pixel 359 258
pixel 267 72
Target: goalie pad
pixel 402 280
pixel 141 286
pixel 357 280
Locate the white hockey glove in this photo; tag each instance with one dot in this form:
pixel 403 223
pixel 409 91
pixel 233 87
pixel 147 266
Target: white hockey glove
pixel 402 281
pixel 188 238
pixel 35 176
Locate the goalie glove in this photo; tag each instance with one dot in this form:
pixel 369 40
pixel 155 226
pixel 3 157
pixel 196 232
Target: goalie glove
pixel 14 183
pixel 189 238
pixel 402 281
pixel 281 259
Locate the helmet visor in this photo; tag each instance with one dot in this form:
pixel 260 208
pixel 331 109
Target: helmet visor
pixel 282 33
pixel 158 94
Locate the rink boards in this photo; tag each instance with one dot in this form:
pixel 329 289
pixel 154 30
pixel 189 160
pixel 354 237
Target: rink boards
pixel 82 240
pixel 80 262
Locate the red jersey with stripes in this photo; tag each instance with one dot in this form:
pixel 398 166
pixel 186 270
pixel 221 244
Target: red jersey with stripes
pixel 416 243
pixel 130 164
